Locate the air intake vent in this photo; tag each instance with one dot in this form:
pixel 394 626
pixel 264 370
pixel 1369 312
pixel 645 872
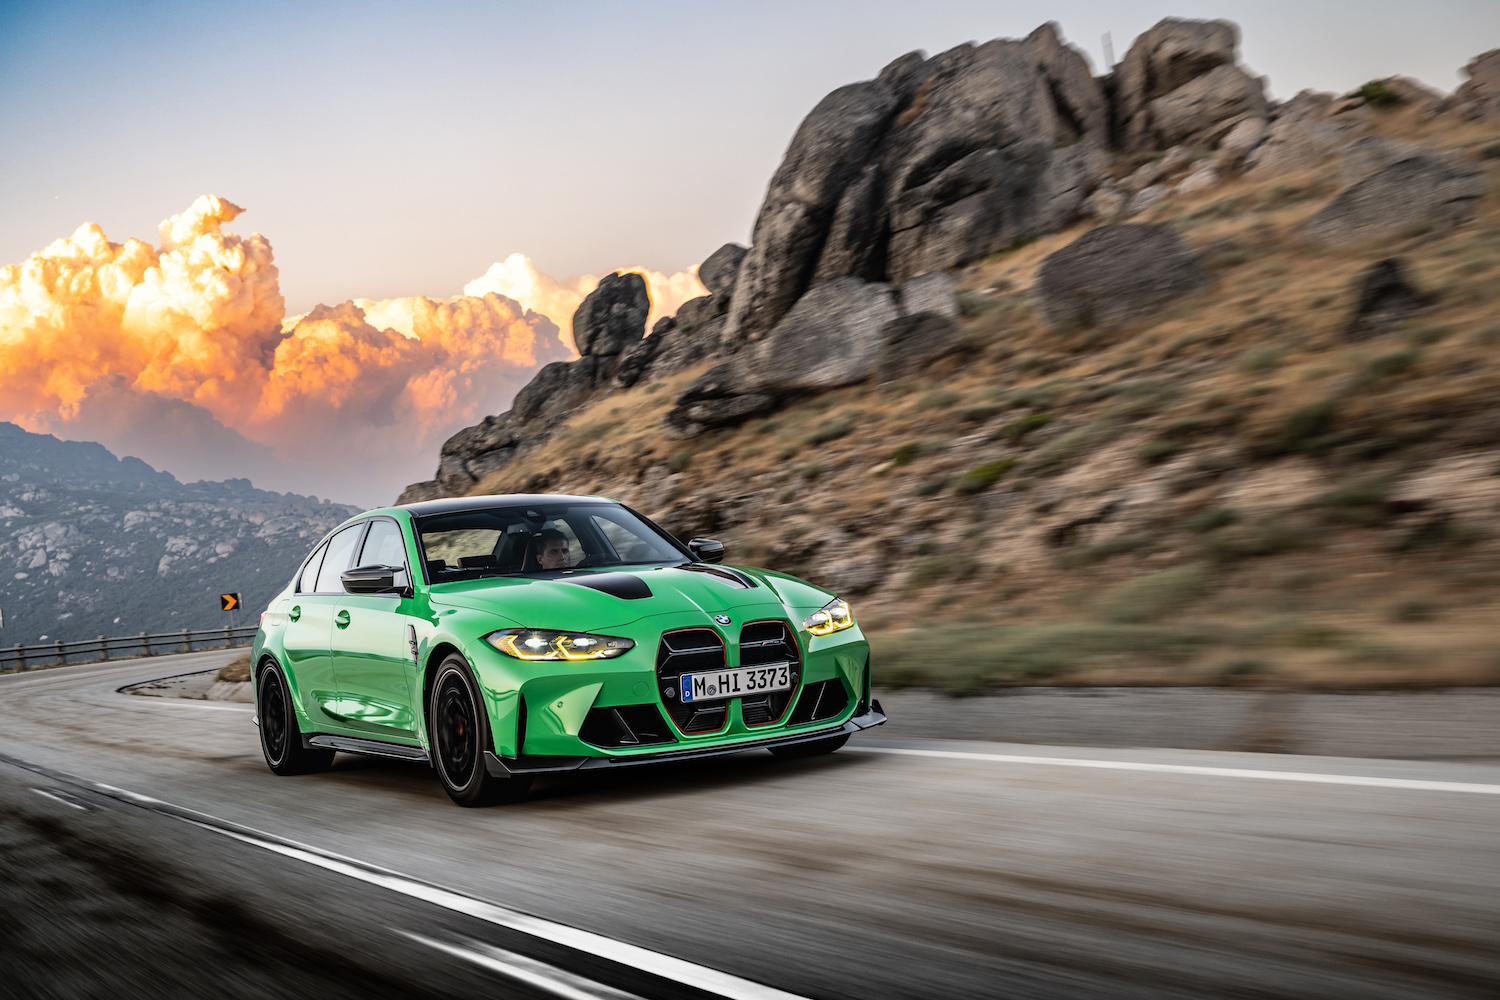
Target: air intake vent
pixel 687 651
pixel 761 644
pixel 625 726
pixel 823 700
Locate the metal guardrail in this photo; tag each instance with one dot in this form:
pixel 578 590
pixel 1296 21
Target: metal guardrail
pixel 59 653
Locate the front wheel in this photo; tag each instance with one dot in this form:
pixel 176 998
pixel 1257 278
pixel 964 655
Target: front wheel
pixel 280 739
pixel 460 734
pixel 813 748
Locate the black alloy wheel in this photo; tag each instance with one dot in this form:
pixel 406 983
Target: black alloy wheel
pixel 280 739
pixel 460 734
pixel 813 748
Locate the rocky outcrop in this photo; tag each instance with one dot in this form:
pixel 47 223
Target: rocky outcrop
pixel 722 269
pixel 1384 297
pixel 935 163
pixel 1179 83
pixel 829 150
pixel 1479 95
pixel 843 331
pixel 1421 193
pixel 612 317
pixel 1115 275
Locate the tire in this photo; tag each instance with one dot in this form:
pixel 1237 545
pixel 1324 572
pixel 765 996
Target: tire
pixel 280 739
pixel 813 749
pixel 460 734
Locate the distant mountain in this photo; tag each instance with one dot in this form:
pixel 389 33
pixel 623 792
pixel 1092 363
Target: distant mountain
pixel 91 544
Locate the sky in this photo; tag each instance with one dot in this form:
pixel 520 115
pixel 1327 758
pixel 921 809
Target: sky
pixel 391 154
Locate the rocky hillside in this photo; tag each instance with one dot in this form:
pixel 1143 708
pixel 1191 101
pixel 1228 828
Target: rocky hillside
pixel 1133 378
pixel 95 545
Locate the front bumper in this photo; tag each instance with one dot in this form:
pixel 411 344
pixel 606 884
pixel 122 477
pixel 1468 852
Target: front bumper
pixel 509 766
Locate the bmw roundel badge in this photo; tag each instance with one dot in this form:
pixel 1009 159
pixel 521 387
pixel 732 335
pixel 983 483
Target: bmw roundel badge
pixel 722 619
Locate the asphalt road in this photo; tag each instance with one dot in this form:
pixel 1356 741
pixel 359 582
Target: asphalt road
pixel 146 849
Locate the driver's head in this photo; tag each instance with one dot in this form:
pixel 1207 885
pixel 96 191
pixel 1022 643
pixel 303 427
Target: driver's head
pixel 551 549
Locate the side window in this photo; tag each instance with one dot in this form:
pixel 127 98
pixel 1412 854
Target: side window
pixel 308 581
pixel 384 547
pixel 340 557
pixel 629 546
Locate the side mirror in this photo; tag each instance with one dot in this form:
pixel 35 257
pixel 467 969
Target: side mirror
pixel 709 550
pixel 371 579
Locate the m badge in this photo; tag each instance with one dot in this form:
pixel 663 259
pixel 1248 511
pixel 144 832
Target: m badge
pixel 228 602
pixel 722 619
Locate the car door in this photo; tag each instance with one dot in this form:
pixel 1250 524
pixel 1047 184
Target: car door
pixel 371 650
pixel 309 657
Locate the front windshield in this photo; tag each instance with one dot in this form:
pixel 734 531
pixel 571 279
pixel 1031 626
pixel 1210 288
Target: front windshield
pixel 541 539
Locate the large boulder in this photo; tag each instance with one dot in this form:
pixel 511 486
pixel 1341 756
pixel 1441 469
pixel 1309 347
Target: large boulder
pixel 1115 275
pixel 1201 111
pixel 980 168
pixel 722 269
pixel 1479 95
pixel 830 149
pixel 1172 55
pixel 830 338
pixel 613 316
pixel 1421 193
pixel 1384 297
pixel 559 386
pixel 909 342
pixel 1294 143
pixel 934 164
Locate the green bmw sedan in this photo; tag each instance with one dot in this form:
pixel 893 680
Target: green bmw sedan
pixel 503 637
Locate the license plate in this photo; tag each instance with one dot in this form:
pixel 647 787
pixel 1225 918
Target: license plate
pixel 719 684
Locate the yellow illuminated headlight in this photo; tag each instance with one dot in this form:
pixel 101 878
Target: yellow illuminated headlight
pixel 539 644
pixel 832 617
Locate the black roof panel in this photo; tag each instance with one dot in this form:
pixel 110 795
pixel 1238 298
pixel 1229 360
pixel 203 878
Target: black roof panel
pixel 448 505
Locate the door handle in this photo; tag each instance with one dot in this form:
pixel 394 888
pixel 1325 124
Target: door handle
pixel 341 619
pixel 295 613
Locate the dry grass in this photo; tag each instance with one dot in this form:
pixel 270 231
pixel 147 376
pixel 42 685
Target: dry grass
pixel 1224 426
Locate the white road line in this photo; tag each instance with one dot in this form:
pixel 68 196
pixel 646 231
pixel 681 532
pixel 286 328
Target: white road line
pixel 188 703
pixel 526 970
pixel 1365 781
pixel 58 798
pixel 643 959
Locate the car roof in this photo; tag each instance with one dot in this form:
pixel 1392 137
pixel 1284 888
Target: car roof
pixel 451 504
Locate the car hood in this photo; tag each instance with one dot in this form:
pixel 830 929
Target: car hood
pixel 572 601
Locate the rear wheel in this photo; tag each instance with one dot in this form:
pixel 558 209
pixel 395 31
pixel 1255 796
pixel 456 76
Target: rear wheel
pixel 280 739
pixel 813 748
pixel 460 734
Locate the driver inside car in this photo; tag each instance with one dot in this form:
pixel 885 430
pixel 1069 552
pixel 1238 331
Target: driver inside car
pixel 551 548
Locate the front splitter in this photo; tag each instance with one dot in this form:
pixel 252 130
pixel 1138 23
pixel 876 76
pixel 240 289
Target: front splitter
pixel 506 767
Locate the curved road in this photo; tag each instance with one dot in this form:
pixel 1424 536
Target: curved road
pixel 890 869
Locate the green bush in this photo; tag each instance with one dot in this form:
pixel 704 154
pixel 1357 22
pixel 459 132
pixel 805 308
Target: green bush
pixel 1017 429
pixel 931 485
pixel 1069 446
pixel 1157 450
pixel 1211 519
pixel 680 461
pixel 811 471
pixel 934 569
pixel 1388 366
pixel 1378 94
pixel 982 477
pixel 829 430
pixel 968 659
pixel 1149 598
pixel 1260 360
pixel 938 399
pixel 1303 428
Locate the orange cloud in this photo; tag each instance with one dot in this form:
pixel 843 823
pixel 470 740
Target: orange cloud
pixel 89 327
pixel 517 277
